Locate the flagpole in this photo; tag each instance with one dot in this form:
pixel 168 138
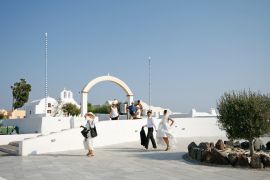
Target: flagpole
pixel 46 71
pixel 149 85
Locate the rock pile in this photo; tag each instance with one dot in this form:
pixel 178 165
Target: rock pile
pixel 230 153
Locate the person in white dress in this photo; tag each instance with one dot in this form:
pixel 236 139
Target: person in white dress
pixel 114 115
pixel 89 142
pixel 164 134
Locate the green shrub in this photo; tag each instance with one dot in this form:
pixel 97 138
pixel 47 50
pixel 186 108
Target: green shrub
pixel 4 130
pixel 102 109
pixel 71 109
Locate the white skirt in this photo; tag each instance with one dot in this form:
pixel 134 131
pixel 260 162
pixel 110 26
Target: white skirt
pixel 88 143
pixel 164 133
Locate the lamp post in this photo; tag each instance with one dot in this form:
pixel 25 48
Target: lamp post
pixel 149 85
pixel 46 71
pixel 12 87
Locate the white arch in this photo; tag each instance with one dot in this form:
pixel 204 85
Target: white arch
pixel 91 84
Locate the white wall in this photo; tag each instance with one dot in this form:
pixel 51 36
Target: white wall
pixel 192 127
pixel 103 117
pixel 61 141
pixel 109 132
pixel 5 139
pixel 37 124
pixel 54 124
pixel 77 122
pixel 26 125
pixel 114 132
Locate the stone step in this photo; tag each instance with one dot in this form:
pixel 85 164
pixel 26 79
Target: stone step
pixel 3 154
pixel 14 143
pixel 11 150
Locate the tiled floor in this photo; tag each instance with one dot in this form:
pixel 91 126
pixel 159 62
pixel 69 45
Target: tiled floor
pixel 122 161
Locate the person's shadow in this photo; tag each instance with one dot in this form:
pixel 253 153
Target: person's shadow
pixel 162 155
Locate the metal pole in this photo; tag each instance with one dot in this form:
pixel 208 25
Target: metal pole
pixel 149 63
pixel 12 87
pixel 46 72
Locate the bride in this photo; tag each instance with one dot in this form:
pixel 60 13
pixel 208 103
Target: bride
pixel 164 134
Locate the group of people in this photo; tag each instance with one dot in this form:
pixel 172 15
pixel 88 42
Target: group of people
pixel 164 135
pixel 163 132
pixel 135 111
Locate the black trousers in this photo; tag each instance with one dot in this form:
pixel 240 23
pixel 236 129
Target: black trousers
pixel 150 136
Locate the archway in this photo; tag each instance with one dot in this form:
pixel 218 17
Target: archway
pixel 87 88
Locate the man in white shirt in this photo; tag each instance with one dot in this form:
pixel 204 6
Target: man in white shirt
pixel 150 125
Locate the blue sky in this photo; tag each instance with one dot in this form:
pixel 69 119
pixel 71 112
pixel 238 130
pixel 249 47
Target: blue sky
pixel 199 49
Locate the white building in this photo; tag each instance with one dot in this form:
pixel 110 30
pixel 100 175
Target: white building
pixel 54 107
pixel 37 107
pixel 195 114
pixel 66 96
pixel 212 113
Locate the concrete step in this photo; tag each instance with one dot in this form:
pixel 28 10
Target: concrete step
pixel 14 143
pixel 3 154
pixel 11 150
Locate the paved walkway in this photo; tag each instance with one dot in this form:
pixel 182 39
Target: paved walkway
pixel 123 161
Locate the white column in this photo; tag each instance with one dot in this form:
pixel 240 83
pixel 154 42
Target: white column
pixel 84 103
pixel 130 99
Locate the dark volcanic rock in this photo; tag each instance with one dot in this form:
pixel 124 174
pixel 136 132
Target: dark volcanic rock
pixel 190 147
pixel 265 160
pixel 232 157
pixel 256 161
pixel 206 152
pixel 228 144
pixel 212 145
pixel 206 156
pixel 204 146
pixel 193 153
pixel 199 155
pixel 242 160
pixel 219 158
pixel 220 145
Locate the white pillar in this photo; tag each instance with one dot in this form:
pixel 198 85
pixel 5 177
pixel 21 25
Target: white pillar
pixel 84 103
pixel 130 99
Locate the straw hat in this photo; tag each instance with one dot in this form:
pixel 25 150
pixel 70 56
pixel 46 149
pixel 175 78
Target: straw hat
pixel 90 114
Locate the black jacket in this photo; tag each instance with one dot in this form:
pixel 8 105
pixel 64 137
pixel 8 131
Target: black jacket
pixel 143 137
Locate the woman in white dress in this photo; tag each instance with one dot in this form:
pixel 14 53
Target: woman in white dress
pixel 89 142
pixel 114 115
pixel 164 134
